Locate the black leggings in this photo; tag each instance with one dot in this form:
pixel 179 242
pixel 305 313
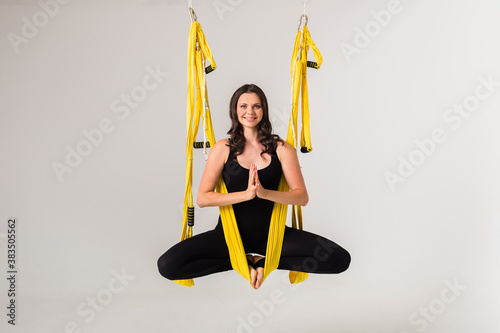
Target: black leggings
pixel 207 253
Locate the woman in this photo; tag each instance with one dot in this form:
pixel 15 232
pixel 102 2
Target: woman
pixel 251 162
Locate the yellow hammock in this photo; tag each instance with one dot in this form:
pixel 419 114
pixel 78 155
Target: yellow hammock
pixel 198 107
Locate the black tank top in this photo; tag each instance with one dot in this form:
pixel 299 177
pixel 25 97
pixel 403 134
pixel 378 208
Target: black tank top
pixel 253 216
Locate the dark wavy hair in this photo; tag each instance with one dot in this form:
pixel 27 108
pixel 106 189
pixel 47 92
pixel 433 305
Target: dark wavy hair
pixel 265 135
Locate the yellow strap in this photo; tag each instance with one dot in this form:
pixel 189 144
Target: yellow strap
pixel 232 236
pixel 276 233
pixel 303 41
pixel 198 52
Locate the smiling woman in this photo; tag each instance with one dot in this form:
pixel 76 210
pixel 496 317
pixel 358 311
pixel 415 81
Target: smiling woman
pixel 251 162
pixel 249 110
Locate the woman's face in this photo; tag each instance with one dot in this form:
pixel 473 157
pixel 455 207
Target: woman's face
pixel 249 110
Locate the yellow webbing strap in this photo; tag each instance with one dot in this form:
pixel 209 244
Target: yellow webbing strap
pixel 232 235
pixel 197 102
pixel 276 233
pixel 303 41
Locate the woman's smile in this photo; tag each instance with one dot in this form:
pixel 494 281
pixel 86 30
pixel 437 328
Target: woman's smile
pixel 249 109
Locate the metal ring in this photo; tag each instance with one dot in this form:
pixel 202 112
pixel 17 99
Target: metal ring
pixel 300 21
pixel 192 14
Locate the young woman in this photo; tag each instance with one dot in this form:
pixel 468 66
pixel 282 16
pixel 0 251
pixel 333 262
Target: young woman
pixel 251 162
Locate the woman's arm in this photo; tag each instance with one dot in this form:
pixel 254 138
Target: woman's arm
pixel 206 192
pixel 291 170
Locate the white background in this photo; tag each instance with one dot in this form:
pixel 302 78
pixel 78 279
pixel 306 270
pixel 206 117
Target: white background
pixel 119 209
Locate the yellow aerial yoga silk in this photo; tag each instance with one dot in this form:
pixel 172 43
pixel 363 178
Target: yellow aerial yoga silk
pixel 299 66
pixel 198 107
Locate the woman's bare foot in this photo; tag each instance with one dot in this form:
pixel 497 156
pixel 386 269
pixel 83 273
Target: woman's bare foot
pixel 256 275
pixel 252 271
pixel 253 276
pixel 259 277
pixel 260 272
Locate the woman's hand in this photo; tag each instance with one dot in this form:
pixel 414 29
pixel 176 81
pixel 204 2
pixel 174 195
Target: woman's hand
pixel 260 191
pixel 255 188
pixel 252 186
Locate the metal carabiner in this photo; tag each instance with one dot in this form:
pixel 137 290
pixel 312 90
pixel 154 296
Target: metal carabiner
pixel 300 21
pixel 192 14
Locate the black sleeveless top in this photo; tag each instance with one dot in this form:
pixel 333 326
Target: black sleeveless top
pixel 253 216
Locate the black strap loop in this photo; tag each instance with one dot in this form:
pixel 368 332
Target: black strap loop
pixel 312 64
pixel 190 212
pixel 209 69
pixel 199 144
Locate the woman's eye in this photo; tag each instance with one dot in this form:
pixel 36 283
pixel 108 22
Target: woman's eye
pixel 243 106
pixel 257 106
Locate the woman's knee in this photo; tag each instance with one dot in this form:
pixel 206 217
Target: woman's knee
pixel 335 258
pixel 341 260
pixel 167 267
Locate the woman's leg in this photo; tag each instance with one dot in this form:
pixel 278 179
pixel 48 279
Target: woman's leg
pixel 200 255
pixel 307 252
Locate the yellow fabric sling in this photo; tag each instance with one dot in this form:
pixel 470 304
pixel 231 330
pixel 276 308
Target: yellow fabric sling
pixel 299 66
pixel 197 105
pixel 198 50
